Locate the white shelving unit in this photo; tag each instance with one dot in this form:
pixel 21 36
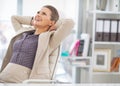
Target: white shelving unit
pixel 93 15
pixel 80 71
pixel 104 12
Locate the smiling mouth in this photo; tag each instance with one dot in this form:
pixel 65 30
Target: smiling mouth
pixel 38 19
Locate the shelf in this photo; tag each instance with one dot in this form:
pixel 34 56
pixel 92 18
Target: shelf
pixel 106 73
pixel 77 65
pixel 104 12
pixel 108 43
pixel 78 58
pixel 92 16
pixel 81 62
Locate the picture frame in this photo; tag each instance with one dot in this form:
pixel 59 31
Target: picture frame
pixel 102 60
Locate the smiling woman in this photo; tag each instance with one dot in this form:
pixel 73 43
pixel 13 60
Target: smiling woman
pixel 30 50
pixel 45 18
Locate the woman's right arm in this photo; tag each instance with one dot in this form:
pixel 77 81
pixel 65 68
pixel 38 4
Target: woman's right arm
pixel 18 21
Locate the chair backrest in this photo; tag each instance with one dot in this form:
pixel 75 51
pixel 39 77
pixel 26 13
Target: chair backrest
pixel 53 60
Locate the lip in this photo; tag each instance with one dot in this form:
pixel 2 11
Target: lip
pixel 37 20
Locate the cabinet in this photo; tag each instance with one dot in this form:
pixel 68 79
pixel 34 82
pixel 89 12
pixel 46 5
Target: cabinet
pixel 103 51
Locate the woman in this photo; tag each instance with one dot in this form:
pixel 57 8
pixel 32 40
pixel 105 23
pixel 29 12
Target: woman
pixel 31 49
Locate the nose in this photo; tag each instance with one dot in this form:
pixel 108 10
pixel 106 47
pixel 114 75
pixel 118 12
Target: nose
pixel 38 15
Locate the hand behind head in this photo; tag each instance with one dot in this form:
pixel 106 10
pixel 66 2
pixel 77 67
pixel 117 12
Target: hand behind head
pixel 53 27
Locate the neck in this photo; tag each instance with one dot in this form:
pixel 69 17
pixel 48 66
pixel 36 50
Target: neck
pixel 40 30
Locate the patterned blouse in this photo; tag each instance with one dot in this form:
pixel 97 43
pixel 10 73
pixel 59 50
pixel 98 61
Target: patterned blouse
pixel 24 50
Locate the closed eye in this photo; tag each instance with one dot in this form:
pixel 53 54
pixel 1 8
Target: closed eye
pixel 38 12
pixel 43 13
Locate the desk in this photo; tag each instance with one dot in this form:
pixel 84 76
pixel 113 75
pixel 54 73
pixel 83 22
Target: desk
pixel 81 73
pixel 59 84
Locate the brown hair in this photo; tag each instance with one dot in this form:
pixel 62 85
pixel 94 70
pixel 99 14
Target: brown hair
pixel 54 15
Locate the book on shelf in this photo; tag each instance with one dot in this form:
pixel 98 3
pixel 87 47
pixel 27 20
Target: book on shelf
pixel 118 34
pixel 113 33
pixel 106 30
pixel 74 48
pixel 115 64
pixel 81 46
pixel 77 48
pixel 99 30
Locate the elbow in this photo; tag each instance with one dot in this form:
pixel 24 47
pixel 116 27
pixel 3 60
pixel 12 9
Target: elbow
pixel 13 17
pixel 68 23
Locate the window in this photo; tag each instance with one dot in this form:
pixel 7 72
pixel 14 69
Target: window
pixel 7 8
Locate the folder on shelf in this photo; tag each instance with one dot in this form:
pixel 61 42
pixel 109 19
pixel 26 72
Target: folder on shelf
pixel 118 35
pixel 115 64
pixel 80 48
pixel 86 38
pixel 74 48
pixel 99 30
pixel 113 33
pixel 106 30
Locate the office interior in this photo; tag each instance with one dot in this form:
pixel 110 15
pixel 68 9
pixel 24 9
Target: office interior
pixel 86 14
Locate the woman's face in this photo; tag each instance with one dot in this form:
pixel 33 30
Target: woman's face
pixel 43 18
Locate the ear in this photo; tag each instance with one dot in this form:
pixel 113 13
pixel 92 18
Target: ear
pixel 53 26
pixel 52 23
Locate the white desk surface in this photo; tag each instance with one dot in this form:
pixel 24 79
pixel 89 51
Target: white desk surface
pixel 60 84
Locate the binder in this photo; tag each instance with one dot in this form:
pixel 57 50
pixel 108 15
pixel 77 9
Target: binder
pixel 74 48
pixel 80 48
pixel 99 30
pixel 86 38
pixel 118 33
pixel 106 30
pixel 113 34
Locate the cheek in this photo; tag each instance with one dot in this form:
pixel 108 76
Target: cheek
pixel 35 22
pixel 47 21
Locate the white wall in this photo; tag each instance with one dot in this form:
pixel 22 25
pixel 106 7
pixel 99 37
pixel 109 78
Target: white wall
pixel 30 7
pixel 66 8
pixel 7 8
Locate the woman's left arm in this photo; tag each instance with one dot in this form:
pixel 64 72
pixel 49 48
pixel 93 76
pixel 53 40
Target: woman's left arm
pixel 64 29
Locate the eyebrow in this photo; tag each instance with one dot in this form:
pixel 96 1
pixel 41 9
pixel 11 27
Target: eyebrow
pixel 42 12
